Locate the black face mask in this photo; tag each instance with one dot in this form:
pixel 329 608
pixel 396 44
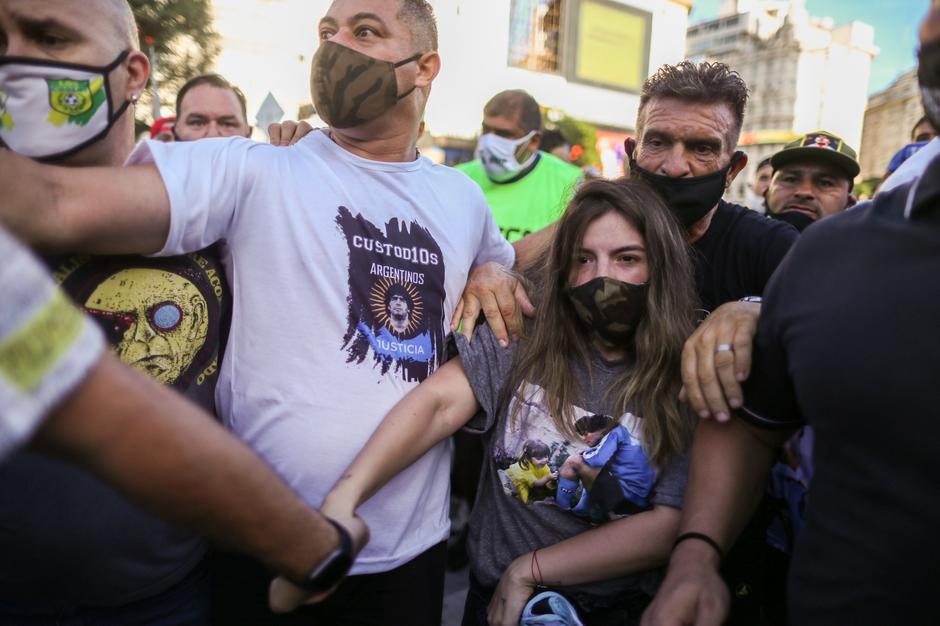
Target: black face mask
pixel 797 219
pixel 928 76
pixel 690 199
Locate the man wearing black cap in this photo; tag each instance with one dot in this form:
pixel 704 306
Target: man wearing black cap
pixel 812 178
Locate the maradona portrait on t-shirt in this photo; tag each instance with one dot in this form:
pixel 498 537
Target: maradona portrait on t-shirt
pixel 606 472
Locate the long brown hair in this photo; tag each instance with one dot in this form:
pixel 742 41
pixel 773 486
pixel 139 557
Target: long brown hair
pixel 556 338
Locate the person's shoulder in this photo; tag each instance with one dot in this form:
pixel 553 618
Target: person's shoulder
pixel 187 153
pixel 458 182
pixel 913 167
pixel 484 341
pixel 753 224
pixel 732 211
pixel 458 176
pixel 473 170
pixel 469 166
pixel 484 351
pixel 560 167
pixel 835 232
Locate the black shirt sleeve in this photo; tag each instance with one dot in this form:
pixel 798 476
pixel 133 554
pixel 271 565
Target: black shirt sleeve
pixel 769 396
pixel 774 243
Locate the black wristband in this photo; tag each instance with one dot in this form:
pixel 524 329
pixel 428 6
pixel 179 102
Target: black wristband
pixel 700 537
pixel 335 565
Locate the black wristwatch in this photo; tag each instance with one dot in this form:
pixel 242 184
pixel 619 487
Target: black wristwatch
pixel 327 573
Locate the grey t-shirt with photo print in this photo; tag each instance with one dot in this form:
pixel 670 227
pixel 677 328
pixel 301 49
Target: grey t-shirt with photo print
pixel 502 526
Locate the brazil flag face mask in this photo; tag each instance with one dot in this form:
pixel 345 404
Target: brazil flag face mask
pixel 49 110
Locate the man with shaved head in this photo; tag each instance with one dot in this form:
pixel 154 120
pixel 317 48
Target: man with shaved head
pixel 74 549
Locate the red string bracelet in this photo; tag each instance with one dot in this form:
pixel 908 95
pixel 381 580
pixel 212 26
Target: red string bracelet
pixel 534 567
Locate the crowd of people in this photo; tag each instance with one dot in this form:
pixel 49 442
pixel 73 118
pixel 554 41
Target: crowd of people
pixel 668 408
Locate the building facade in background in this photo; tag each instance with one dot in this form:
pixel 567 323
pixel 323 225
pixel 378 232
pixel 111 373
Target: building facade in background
pixel 584 59
pixel 804 73
pixel 889 118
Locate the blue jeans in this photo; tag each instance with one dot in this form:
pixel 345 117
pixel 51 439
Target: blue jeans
pixel 184 604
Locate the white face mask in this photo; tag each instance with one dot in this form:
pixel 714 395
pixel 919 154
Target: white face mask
pixel 500 156
pixel 52 110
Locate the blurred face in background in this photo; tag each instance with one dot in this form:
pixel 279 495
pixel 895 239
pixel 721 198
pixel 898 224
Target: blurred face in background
pixel 209 111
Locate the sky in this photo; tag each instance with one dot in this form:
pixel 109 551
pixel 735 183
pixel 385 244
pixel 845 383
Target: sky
pixel 895 21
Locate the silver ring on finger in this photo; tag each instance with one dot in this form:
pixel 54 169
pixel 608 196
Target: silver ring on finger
pixel 724 347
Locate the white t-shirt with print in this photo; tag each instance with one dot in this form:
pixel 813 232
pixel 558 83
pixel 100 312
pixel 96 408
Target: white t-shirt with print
pixel 345 273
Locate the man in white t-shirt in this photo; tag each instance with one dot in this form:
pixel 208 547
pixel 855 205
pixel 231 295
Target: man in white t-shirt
pixel 317 234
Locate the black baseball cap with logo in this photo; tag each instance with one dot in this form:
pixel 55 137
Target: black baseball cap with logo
pixel 819 146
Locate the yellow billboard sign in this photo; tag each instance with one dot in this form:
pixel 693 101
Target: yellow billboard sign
pixel 611 45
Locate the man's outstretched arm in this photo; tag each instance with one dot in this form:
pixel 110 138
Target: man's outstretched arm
pixel 727 476
pixel 177 462
pixel 99 210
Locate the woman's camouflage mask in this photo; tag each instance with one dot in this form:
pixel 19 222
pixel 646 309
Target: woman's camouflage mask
pixel 351 88
pixel 610 307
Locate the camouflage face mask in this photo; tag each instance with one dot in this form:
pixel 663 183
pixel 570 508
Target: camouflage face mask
pixel 611 308
pixel 351 88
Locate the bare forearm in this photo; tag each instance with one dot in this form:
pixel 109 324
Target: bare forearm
pixel 626 546
pixel 98 210
pixel 174 460
pixel 430 413
pixel 28 199
pixel 727 476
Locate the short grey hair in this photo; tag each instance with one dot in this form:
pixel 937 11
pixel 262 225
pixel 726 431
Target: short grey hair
pixel 123 22
pixel 418 15
pixel 704 83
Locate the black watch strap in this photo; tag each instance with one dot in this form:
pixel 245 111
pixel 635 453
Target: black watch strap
pixel 327 573
pixel 345 539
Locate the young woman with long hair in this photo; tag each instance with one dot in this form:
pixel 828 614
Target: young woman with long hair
pixel 615 304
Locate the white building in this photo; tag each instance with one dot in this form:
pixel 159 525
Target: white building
pixel 583 58
pixel 803 73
